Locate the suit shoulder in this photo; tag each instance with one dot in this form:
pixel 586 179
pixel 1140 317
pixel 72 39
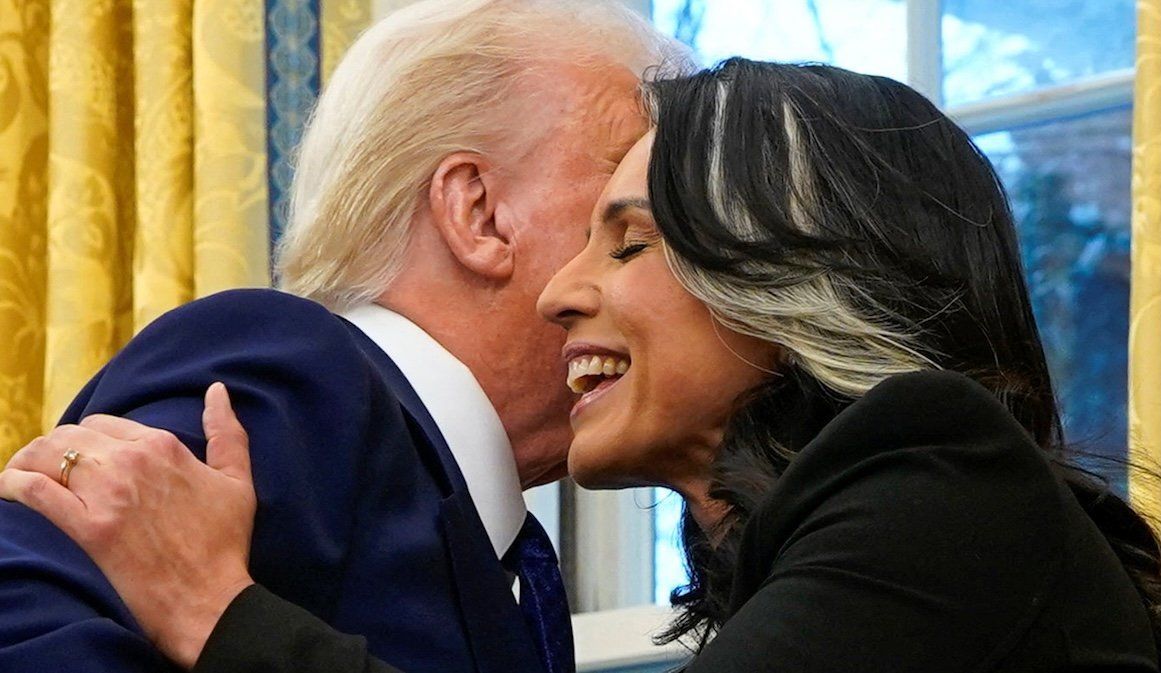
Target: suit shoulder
pixel 255 336
pixel 241 317
pixel 251 305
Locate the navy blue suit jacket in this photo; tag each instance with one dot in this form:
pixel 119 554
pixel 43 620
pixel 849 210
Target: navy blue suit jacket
pixel 363 516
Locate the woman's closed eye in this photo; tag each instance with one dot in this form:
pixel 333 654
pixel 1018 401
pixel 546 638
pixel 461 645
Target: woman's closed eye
pixel 628 250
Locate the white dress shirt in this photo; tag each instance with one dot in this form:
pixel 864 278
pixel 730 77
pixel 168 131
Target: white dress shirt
pixel 461 411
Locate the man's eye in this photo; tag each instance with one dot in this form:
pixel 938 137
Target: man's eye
pixel 628 250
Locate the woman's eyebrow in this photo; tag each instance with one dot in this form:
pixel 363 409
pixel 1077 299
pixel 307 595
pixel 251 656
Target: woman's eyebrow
pixel 615 208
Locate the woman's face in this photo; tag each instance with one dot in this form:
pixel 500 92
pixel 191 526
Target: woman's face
pixel 656 376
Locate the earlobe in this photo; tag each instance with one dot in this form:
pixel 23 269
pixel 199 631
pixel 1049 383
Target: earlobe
pixel 463 199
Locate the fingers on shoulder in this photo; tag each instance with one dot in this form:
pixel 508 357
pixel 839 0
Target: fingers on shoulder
pixel 33 456
pixel 43 494
pixel 45 453
pixel 163 443
pixel 114 426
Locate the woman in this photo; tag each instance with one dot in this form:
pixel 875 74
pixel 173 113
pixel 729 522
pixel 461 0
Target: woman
pixel 801 306
pixel 851 503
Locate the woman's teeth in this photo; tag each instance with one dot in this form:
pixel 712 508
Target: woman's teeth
pixel 584 373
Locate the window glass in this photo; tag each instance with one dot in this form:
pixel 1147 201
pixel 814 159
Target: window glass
pixel 865 35
pixel 668 557
pixel 994 47
pixel 1068 182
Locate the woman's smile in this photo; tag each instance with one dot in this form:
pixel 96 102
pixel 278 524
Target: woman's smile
pixel 593 371
pixel 655 375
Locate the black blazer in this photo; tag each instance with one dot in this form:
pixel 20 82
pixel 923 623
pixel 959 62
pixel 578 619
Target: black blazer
pixel 922 530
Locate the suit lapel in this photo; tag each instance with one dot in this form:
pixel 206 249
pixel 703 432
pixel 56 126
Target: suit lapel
pixel 495 626
pixel 499 636
pixel 411 404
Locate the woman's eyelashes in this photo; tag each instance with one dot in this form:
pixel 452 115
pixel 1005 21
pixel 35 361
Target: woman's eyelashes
pixel 628 250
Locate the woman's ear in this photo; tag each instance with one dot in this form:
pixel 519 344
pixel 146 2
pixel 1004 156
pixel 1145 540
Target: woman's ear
pixel 463 200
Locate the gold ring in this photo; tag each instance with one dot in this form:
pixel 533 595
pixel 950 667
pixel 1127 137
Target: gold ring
pixel 67 463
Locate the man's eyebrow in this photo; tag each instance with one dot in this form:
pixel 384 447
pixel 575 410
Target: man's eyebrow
pixel 616 208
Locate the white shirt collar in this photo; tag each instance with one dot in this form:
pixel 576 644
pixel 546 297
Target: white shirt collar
pixel 461 411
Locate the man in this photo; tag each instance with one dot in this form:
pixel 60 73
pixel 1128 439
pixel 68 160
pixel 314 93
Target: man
pixel 447 173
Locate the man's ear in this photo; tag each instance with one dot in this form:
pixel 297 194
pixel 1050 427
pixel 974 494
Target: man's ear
pixel 463 208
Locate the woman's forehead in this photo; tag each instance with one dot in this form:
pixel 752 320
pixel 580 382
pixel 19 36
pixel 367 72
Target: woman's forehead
pixel 630 180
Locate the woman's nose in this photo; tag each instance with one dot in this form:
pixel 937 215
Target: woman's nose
pixel 569 296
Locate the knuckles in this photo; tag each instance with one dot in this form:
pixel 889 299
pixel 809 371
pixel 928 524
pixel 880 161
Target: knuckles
pixel 101 529
pixel 132 457
pixel 163 443
pixel 118 491
pixel 36 456
pixel 155 453
pixel 35 488
pixel 37 445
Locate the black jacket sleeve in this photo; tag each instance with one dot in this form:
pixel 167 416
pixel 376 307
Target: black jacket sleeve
pixel 262 633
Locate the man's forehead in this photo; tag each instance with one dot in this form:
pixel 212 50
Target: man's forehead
pixel 608 109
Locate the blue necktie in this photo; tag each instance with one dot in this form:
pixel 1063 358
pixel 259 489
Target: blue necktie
pixel 542 597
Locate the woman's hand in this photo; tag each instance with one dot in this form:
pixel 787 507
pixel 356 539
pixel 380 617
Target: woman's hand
pixel 170 533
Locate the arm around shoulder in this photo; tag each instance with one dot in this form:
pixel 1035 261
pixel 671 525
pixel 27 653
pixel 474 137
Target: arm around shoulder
pixel 288 363
pixel 260 632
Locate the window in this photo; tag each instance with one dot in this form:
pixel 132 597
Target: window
pixel 997 48
pixel 668 560
pixel 865 35
pixel 1068 181
pixel 1045 87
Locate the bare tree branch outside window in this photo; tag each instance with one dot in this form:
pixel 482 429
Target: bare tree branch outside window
pixel 689 17
pixel 824 44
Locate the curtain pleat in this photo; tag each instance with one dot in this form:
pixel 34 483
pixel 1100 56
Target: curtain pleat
pixel 24 35
pixel 132 180
pixel 91 209
pixel 164 135
pixel 231 239
pixel 342 22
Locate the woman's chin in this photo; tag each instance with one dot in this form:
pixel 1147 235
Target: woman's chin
pixel 588 476
pixel 596 470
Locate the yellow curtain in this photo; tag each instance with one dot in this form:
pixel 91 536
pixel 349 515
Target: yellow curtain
pixel 132 179
pixel 342 22
pixel 24 26
pixel 1145 324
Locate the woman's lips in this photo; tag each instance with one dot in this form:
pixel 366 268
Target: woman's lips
pixel 593 395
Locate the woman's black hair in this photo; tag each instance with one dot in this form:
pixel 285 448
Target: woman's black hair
pixel 858 178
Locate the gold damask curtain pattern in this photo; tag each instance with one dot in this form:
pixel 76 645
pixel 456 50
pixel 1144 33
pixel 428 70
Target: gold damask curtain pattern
pixel 24 36
pixel 133 175
pixel 1145 323
pixel 102 141
pixel 342 22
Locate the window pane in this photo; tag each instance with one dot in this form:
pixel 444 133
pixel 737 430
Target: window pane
pixel 864 35
pixel 668 558
pixel 1069 186
pixel 996 47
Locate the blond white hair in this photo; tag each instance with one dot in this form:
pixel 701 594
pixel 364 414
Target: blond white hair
pixel 434 78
